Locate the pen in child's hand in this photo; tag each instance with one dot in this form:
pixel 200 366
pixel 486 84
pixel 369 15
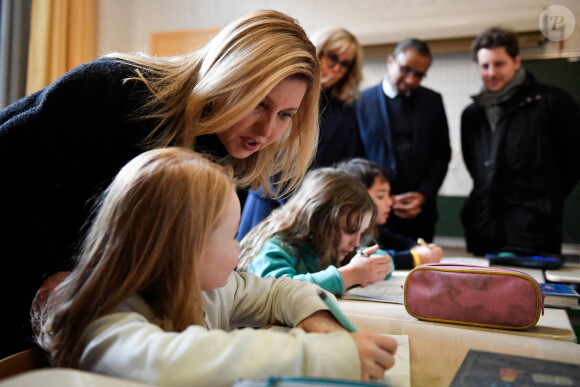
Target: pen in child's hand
pixel 421 242
pixel 337 313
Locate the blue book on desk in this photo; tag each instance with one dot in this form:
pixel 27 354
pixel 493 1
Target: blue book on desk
pixel 560 296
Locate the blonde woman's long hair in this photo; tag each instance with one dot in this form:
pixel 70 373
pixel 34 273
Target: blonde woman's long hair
pixel 311 216
pixel 208 91
pixel 339 40
pixel 147 238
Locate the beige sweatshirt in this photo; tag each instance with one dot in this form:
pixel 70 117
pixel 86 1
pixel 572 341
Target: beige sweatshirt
pixel 129 344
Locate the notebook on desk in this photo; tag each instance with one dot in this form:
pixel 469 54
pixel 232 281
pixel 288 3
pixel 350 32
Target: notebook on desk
pixel 389 290
pixel 482 368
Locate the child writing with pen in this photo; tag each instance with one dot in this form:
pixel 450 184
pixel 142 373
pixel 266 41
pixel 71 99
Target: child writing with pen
pixel 407 252
pixel 154 297
pixel 312 236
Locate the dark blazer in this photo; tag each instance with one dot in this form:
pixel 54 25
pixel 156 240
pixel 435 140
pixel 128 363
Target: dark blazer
pixel 431 151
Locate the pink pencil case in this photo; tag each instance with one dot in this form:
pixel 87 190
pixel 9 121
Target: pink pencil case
pixel 473 295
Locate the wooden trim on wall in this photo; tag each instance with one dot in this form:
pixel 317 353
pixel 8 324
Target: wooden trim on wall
pixel 170 43
pixel 437 46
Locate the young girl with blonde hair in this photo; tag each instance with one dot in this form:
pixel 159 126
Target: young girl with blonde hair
pixel 309 237
pixel 154 296
pixel 249 98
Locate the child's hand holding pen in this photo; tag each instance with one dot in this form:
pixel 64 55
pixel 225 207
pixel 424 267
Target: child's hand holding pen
pixel 365 269
pixel 368 251
pixel 376 351
pixel 426 252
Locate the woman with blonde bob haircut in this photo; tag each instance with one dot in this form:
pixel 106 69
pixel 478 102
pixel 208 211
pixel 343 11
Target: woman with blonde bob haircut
pixel 154 295
pixel 330 44
pixel 248 99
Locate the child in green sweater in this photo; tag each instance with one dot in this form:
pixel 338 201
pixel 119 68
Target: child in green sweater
pixel 314 234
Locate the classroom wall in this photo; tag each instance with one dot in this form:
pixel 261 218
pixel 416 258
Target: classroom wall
pixel 125 25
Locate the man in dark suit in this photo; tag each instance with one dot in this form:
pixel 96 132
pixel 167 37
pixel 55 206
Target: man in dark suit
pixel 404 129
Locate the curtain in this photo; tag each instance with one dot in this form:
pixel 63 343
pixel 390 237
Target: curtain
pixel 62 36
pixel 14 33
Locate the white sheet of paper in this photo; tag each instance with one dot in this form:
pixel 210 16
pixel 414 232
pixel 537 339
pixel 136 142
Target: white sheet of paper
pixel 400 374
pixel 389 290
pixel 466 260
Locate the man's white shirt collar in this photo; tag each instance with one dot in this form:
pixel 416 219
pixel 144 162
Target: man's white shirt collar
pixel 388 89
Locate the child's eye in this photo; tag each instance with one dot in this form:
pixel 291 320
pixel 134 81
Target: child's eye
pixel 286 116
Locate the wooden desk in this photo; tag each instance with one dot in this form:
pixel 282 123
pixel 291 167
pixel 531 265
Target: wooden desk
pixel 437 351
pixel 537 274
pixel 394 319
pixel 65 377
pixel 569 273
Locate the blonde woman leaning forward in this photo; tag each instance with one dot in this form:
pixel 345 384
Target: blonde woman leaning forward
pixel 249 99
pixel 340 56
pixel 153 297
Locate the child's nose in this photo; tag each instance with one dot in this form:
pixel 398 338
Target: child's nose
pixel 355 241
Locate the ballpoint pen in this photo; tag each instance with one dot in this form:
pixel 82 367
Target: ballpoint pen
pixel 337 313
pixel 421 242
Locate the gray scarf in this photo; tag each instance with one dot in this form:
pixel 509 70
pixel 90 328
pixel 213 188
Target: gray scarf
pixel 491 100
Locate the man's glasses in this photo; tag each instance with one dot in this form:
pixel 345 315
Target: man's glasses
pixel 409 71
pixel 333 59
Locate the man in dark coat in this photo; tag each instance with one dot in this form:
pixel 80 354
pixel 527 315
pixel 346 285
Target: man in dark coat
pixel 404 129
pixel 520 142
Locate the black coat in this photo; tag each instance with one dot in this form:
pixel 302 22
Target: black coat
pixel 523 175
pixel 59 148
pixel 339 135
